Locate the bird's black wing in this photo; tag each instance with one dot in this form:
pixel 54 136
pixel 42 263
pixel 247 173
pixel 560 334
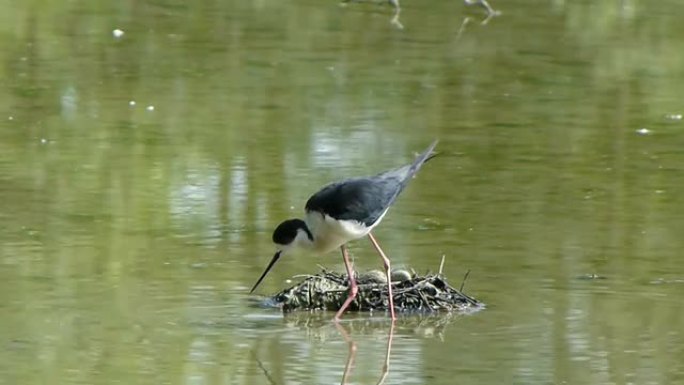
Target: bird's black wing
pixel 360 199
pixel 366 199
pixel 396 180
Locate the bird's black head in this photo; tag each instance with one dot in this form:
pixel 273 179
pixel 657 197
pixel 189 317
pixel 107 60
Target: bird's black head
pixel 286 232
pixel 285 237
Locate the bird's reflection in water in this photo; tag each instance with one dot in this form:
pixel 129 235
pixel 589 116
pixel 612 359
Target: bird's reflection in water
pixel 394 20
pixel 467 20
pixel 304 347
pixel 484 4
pixel 351 355
pixel 490 14
pixel 358 330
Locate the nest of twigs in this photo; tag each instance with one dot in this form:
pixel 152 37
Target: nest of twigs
pixel 328 290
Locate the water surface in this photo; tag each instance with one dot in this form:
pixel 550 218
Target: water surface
pixel 141 177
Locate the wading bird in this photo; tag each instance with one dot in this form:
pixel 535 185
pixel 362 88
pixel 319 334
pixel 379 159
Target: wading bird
pixel 344 211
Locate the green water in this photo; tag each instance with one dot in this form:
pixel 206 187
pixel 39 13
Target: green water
pixel 141 177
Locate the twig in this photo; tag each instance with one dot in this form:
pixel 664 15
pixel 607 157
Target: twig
pixel 425 300
pixel 307 276
pixel 441 265
pixel 414 287
pixel 464 280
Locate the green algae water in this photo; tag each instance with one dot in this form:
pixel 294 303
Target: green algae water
pixel 148 149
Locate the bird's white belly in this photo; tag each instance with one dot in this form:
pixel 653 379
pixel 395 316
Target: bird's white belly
pixel 329 234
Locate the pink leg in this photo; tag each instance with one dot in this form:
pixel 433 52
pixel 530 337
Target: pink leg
pixel 353 289
pixel 386 263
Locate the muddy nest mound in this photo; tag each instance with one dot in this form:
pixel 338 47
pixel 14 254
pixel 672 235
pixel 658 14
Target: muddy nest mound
pixel 327 290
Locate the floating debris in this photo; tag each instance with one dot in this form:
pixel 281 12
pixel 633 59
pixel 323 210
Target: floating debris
pixel 117 33
pixel 327 290
pixel 589 277
pixel 643 131
pixel 131 103
pixel 663 281
pixel 150 108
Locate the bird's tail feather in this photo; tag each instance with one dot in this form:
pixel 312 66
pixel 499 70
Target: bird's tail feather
pixel 414 167
pixel 426 155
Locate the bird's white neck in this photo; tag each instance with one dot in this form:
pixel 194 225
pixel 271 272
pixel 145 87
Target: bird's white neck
pixel 329 234
pixel 303 239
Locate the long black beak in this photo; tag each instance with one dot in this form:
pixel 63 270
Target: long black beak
pixel 270 265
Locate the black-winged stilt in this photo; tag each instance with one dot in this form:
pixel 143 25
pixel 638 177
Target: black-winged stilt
pixel 344 211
